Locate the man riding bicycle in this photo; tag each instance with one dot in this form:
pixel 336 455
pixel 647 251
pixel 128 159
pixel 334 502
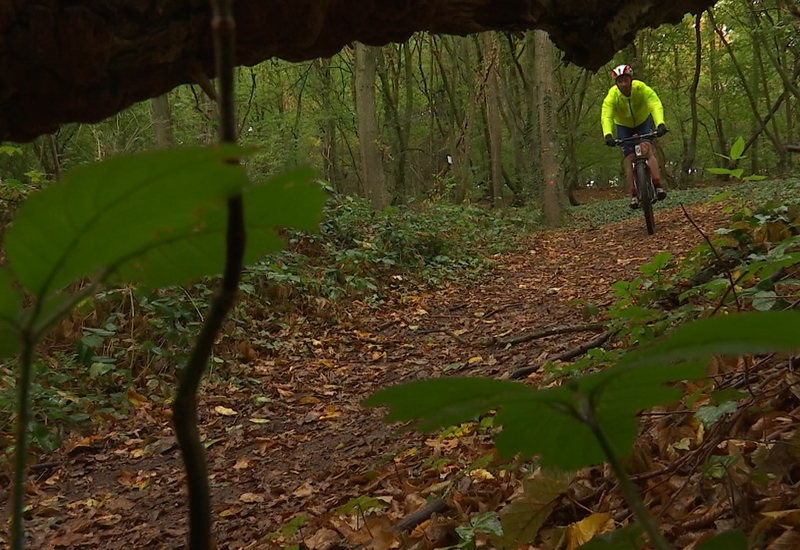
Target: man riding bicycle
pixel 634 108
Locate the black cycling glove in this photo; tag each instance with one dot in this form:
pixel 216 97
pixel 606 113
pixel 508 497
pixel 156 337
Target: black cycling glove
pixel 661 130
pixel 610 141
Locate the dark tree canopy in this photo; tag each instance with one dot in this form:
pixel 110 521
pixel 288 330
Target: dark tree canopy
pixel 84 60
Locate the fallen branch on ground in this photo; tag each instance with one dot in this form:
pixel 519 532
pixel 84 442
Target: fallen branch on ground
pixel 542 334
pixel 423 514
pixel 563 356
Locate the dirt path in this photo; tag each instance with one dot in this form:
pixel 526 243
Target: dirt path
pixel 288 435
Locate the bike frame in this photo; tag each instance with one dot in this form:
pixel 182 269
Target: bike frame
pixel 645 190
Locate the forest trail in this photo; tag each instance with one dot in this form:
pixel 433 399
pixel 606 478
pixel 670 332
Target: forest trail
pixel 294 437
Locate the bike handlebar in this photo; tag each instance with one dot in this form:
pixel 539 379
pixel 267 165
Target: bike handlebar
pixel 636 138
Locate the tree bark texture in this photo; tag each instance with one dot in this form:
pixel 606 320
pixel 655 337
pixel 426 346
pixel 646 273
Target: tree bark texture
pixel 491 59
pixel 162 120
pixel 371 164
pixel 547 129
pixel 85 60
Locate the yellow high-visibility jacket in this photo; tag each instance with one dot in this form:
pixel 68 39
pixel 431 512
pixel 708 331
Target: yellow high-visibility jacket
pixel 631 111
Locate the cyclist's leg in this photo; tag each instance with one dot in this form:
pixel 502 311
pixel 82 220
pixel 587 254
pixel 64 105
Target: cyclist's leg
pixel 646 127
pixel 623 132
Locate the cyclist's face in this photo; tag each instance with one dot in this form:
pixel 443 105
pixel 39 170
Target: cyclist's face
pixel 624 84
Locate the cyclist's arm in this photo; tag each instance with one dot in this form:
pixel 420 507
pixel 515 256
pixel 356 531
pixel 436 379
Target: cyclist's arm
pixel 654 104
pixel 607 116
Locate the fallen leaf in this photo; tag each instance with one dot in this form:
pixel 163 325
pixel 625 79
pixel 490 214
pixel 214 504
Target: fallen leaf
pixel 309 400
pixel 259 420
pixel 583 531
pixel 225 411
pixel 476 359
pixel 481 475
pixel 323 539
pixel 304 490
pixel 250 498
pixel 241 463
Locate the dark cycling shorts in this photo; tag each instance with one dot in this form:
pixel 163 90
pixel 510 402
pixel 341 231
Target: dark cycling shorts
pixel 624 132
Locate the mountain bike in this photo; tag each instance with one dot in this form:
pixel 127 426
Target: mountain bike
pixel 642 181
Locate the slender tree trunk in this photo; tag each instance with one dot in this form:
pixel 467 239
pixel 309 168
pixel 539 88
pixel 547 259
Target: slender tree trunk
pixel 548 132
pixel 390 104
pixel 491 58
pixel 47 149
pixel 691 146
pixel 328 126
pixel 716 94
pixel 534 134
pixel 371 164
pixel 475 84
pixel 162 121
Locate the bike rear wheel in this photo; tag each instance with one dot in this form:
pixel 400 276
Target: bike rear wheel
pixel 646 191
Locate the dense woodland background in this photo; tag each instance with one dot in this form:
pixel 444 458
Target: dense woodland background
pixel 382 122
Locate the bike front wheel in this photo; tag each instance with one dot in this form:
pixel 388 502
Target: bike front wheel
pixel 646 192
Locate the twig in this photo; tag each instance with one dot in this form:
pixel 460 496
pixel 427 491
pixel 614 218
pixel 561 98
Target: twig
pixel 564 356
pixel 184 411
pixel 544 333
pixel 719 258
pixel 433 507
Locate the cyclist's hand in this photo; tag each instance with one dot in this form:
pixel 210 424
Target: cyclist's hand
pixel 610 141
pixel 661 130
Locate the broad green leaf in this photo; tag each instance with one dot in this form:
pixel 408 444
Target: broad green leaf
pixel 524 516
pixel 737 173
pixel 197 250
pixel 628 538
pixel 104 212
pixel 719 171
pixel 765 300
pixel 737 148
pixel 550 427
pixel 752 332
pixel 710 414
pixel 729 540
pixel 10 302
pixel 754 177
pixel 445 402
pixel 488 523
pixel 542 422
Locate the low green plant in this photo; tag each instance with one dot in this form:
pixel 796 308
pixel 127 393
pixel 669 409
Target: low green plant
pixel 591 419
pixel 736 155
pixel 91 225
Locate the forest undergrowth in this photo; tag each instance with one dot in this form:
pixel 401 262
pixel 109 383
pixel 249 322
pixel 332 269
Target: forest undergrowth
pixel 429 292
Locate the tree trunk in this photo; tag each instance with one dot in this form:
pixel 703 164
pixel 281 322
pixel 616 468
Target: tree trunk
pixel 328 126
pixel 48 157
pixel 691 146
pixel 534 134
pixel 162 121
pixel 491 58
pixel 716 94
pixel 371 164
pixel 547 126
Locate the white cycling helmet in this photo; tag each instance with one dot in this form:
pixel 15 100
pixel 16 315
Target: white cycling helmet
pixel 620 70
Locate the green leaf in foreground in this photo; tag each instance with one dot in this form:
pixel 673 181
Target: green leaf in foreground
pixel 729 540
pixel 752 332
pixel 103 212
pixel 198 250
pixel 10 301
pixel 444 402
pixel 628 538
pixel 545 422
